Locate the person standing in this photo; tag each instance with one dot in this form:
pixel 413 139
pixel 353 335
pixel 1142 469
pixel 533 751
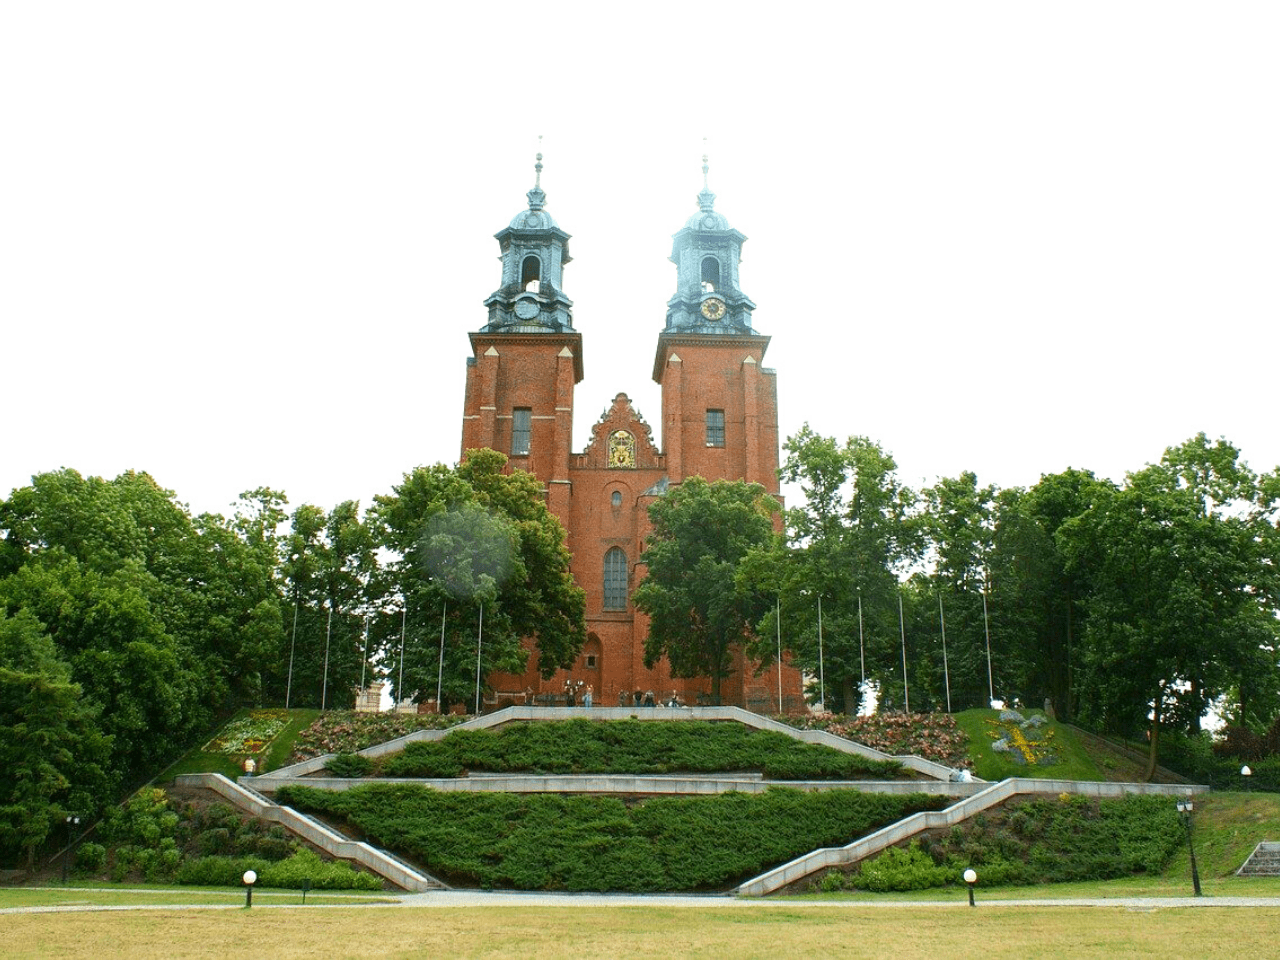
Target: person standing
pixel 586 697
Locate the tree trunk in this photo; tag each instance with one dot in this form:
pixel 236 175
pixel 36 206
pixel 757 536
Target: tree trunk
pixel 852 696
pixel 1154 738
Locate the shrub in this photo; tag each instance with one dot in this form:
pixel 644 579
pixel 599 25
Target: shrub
pixel 902 869
pixel 285 874
pixel 349 765
pixel 91 858
pixel 218 871
pixel 213 842
pixel 142 820
pixel 306 865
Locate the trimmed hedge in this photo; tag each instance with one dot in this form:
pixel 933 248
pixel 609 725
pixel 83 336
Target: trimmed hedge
pixel 289 874
pixel 563 842
pixel 623 747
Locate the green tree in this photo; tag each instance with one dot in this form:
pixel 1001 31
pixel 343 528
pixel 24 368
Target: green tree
pixel 849 541
pixel 959 524
pixel 51 749
pixel 164 619
pixel 697 606
pixel 331 580
pixel 1037 609
pixel 1181 601
pixel 465 539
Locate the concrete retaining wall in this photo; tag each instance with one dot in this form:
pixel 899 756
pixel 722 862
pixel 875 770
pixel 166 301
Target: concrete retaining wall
pixel 986 798
pixel 627 785
pixel 377 861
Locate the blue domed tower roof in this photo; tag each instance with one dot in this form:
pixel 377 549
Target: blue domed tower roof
pixel 534 252
pixel 706 254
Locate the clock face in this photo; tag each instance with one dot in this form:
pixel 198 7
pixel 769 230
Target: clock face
pixel 713 309
pixel 526 309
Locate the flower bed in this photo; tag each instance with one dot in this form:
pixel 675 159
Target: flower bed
pixel 345 731
pixel 1022 739
pixel 248 736
pixel 933 736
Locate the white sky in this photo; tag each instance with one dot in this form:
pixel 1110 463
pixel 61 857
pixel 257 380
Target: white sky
pixel 242 244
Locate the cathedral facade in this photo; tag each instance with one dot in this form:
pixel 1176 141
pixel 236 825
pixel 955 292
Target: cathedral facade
pixel 719 421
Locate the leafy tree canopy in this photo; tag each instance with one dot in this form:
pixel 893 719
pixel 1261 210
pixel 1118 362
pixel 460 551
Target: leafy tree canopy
pixel 697 605
pixel 468 539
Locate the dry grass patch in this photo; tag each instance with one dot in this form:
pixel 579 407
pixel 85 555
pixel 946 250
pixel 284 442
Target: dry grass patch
pixel 728 930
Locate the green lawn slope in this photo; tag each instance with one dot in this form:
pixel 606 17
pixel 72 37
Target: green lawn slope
pixel 218 755
pixel 1072 759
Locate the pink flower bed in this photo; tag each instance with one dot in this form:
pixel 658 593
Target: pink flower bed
pixel 934 736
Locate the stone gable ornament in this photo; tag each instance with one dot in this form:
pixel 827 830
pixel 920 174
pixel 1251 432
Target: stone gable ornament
pixel 622 450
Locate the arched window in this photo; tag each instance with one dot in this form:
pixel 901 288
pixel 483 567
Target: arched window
pixel 710 274
pixel 615 579
pixel 530 274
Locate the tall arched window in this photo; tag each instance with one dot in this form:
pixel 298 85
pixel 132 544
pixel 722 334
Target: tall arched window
pixel 710 274
pixel 530 274
pixel 615 579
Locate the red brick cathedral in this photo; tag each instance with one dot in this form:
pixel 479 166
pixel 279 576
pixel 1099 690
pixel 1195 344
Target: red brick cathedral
pixel 719 421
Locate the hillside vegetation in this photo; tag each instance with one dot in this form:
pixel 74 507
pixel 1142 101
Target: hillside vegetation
pixel 620 747
pixel 559 842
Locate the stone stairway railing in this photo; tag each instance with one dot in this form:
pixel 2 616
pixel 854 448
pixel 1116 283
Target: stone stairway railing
pixel 934 771
pixel 997 793
pixel 1263 862
pixel 253 802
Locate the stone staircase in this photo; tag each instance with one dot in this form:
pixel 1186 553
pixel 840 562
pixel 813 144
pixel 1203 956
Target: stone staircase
pixel 381 862
pixel 1263 862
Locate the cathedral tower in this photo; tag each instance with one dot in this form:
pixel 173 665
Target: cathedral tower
pixel 719 405
pixel 527 359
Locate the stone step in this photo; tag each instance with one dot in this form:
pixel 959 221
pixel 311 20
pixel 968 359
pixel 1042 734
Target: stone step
pixel 1264 861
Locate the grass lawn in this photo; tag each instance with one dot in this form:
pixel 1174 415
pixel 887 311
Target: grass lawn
pixel 156 895
pixel 1165 885
pixel 738 931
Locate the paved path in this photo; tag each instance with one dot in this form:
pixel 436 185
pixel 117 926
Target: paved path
pixel 471 899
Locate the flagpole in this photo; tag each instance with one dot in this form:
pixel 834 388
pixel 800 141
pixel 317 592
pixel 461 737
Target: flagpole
pixel 365 660
pixel 324 687
pixel 946 674
pixel 862 656
pixel 479 643
pixel 444 609
pixel 902 625
pixel 986 627
pixel 293 644
pixel 822 681
pixel 404 615
pixel 777 619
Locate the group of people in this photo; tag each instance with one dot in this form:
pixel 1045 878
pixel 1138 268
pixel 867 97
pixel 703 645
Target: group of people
pixel 646 699
pixel 573 689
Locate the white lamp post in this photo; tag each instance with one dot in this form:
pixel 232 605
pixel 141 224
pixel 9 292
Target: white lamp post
pixel 971 878
pixel 249 878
